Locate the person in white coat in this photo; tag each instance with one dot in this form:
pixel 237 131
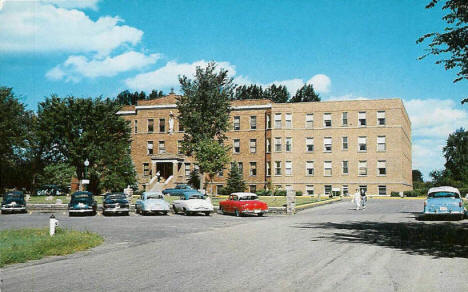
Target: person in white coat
pixel 357 199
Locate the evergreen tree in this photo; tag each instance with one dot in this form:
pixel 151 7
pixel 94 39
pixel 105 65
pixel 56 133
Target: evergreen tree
pixel 278 94
pixel 155 94
pixel 235 181
pixel 456 154
pixel 305 94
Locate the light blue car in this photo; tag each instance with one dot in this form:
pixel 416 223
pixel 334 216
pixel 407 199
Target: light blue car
pixel 444 201
pixel 152 203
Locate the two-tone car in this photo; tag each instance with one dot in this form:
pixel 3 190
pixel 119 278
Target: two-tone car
pixel 115 203
pixel 82 202
pixel 151 203
pixel 242 204
pixel 179 190
pixel 443 201
pixel 192 202
pixel 13 202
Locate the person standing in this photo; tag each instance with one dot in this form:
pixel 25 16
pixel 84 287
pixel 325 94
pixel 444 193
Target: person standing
pixel 363 198
pixel 357 199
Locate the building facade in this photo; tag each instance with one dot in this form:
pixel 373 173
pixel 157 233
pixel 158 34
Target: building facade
pixel 312 147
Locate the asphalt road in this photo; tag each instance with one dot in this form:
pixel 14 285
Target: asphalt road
pixel 329 248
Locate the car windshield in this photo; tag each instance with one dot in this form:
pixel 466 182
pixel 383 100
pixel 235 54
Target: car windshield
pixel 11 197
pixel 248 198
pixel 443 195
pixel 83 198
pixel 115 197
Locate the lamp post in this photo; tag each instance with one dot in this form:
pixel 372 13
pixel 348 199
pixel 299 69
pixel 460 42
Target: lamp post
pixel 86 164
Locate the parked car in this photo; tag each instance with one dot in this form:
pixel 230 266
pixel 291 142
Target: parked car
pixel 444 201
pixel 152 202
pixel 115 203
pixel 179 190
pixel 192 202
pixel 13 202
pixel 82 203
pixel 243 203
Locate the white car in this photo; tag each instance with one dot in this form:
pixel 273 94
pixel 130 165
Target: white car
pixel 192 202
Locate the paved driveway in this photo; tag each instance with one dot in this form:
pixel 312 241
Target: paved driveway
pixel 330 248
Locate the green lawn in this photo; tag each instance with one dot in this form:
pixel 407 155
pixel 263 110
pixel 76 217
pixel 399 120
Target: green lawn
pixel 21 245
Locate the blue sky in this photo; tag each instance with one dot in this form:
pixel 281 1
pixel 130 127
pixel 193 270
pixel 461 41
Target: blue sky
pixel 346 49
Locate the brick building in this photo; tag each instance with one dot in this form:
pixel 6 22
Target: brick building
pixel 313 147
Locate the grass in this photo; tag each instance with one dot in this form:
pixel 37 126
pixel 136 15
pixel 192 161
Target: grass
pixel 21 245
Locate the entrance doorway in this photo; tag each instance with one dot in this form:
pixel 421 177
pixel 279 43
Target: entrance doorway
pixel 165 169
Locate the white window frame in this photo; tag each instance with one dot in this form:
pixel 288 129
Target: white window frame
pixel 381 140
pixel 309 188
pixel 343 143
pixel 309 142
pixel 343 168
pixel 280 144
pixel 344 119
pixel 253 168
pixel 253 145
pixel 288 143
pixel 327 144
pixel 253 122
pixel 277 166
pixel 234 142
pixel 309 121
pixel 236 123
pixel 380 118
pixel 362 165
pixel 268 168
pixel 288 121
pixel 362 119
pixel 381 164
pixel 327 117
pixel 362 140
pixel 149 147
pixel 268 145
pixel 327 165
pixel 161 150
pixel 278 121
pixel 309 168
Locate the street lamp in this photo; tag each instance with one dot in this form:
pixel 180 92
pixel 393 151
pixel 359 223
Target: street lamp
pixel 86 164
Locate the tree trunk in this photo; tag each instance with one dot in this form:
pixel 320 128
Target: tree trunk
pixel 202 181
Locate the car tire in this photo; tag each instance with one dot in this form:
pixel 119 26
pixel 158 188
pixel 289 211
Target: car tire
pixel 207 213
pixel 237 213
pixel 187 213
pixel 127 213
pixel 174 208
pixel 462 216
pixel 164 213
pixel 221 210
pixel 260 214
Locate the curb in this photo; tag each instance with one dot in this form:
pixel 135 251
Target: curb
pixel 312 205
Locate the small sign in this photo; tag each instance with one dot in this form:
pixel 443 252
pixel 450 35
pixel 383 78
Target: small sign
pixel 85 181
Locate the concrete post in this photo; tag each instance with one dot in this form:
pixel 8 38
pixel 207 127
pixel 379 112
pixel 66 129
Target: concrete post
pixel 290 202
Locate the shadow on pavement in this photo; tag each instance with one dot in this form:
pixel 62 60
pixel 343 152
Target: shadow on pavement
pixel 438 240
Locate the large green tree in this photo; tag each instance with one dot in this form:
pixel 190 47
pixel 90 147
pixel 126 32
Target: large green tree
pixel 451 44
pixel 252 91
pixel 235 181
pixel 204 109
pixel 278 94
pixel 14 121
pixel 305 94
pixel 75 129
pixel 456 155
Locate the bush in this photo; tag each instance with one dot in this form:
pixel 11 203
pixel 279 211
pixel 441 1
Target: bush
pixel 279 193
pixel 410 193
pixel 263 193
pixel 298 193
pixel 394 194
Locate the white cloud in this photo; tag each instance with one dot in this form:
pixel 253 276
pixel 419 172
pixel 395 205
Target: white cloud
pixel 40 27
pixel 76 67
pixel 168 75
pixel 79 4
pixel 349 96
pixel 321 83
pixel 292 85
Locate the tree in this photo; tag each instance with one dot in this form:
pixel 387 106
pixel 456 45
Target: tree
pixel 278 94
pixel 417 176
pixel 453 41
pixel 58 174
pixel 212 156
pixel 204 109
pixel 456 155
pixel 155 94
pixel 235 181
pixel 13 130
pixel 194 179
pixel 75 129
pixel 252 91
pixel 305 94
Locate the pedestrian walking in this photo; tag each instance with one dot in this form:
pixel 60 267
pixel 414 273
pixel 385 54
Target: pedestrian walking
pixel 363 198
pixel 357 199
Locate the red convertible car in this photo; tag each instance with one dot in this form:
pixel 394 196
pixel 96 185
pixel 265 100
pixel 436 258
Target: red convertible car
pixel 243 203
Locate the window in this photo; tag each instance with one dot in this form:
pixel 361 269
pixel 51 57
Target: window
pixel 162 125
pixel 149 148
pixel 187 169
pixel 309 168
pixel 309 121
pixel 344 143
pixel 277 167
pixel 150 125
pixel 381 145
pixel 252 188
pixel 253 145
pixel 253 168
pixel 277 121
pixel 327 168
pixel 240 165
pixel 362 119
pixel 268 145
pixel 288 144
pixel 268 168
pixel 345 190
pixel 277 144
pixel 236 123
pixel 288 167
pixel 362 167
pixel 344 118
pixel 310 190
pixel 162 147
pixel 268 121
pixel 382 190
pixel 327 189
pixel 381 118
pixel 327 144
pixel 221 173
pixel 327 122
pixel 135 127
pixel 236 146
pixel 363 188
pixel 288 120
pixel 362 144
pixel 253 122
pixel 179 147
pixel 309 144
pixel 345 167
pixel 146 169
pixel 381 167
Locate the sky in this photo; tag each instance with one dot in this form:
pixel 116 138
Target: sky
pixel 345 49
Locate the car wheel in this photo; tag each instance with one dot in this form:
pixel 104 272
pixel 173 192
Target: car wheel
pixel 187 213
pixel 221 210
pixel 164 213
pixel 207 213
pixel 175 210
pixel 127 213
pixel 237 213
pixel 462 216
pixel 260 214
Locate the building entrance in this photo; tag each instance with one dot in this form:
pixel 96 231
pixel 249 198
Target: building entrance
pixel 165 169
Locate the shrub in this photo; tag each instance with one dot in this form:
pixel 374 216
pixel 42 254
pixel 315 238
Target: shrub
pixel 410 193
pixel 394 194
pixel 298 193
pixel 279 193
pixel 263 193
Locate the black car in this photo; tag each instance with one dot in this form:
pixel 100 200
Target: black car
pixel 115 203
pixel 82 203
pixel 13 202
